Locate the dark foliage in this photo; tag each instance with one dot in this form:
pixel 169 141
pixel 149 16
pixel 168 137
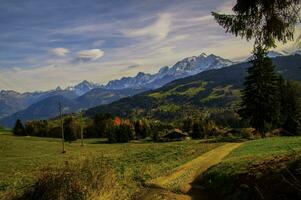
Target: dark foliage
pixel 38 128
pixel 261 97
pixel 197 132
pixel 263 20
pixel 121 134
pixel 142 129
pixel 71 129
pixel 291 106
pixel 19 128
pixel 187 125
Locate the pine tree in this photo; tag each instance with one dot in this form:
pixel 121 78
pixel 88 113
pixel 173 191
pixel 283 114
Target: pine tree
pixel 71 129
pixel 265 21
pixel 291 106
pixel 261 98
pixel 19 128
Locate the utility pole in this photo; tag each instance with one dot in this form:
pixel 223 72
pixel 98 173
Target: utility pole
pixel 62 127
pixel 81 128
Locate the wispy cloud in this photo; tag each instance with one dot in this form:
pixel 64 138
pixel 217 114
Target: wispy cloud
pixel 158 29
pixel 61 52
pixel 89 55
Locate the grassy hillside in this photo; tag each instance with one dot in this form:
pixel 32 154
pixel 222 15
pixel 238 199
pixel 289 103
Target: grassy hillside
pixel 257 165
pixel 21 159
pixel 210 89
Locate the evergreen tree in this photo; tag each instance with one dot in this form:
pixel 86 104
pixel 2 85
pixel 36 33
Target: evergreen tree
pixel 291 106
pixel 112 137
pixel 102 124
pixel 71 129
pixel 261 101
pixel 19 128
pixel 265 21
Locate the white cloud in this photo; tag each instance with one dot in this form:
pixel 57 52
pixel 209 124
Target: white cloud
pixel 89 55
pixel 159 29
pixel 61 52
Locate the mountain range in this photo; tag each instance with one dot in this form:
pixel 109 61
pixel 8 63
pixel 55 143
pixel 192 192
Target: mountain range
pixel 88 94
pixel 186 67
pixel 214 89
pixel 48 107
pixel 43 105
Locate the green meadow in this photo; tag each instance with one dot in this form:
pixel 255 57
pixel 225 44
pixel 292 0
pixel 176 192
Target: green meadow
pixel 23 158
pixel 254 167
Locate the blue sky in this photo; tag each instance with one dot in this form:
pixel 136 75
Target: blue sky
pixel 44 44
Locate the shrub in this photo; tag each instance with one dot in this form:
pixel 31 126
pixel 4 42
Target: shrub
pixel 211 129
pixel 84 179
pixel 247 133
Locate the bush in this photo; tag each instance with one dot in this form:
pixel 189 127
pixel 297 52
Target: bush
pixel 84 179
pixel 211 129
pixel 247 133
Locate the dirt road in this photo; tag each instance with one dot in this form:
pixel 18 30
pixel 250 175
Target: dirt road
pixel 179 184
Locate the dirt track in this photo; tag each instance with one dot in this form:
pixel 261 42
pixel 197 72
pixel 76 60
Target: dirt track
pixel 179 185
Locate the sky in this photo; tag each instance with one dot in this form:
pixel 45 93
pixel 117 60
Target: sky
pixel 45 44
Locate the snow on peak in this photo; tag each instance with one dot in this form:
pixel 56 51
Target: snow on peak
pixel 186 67
pixel 83 87
pixel 274 54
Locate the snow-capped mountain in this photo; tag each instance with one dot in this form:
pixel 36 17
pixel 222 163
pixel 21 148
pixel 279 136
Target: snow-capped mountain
pixel 83 87
pixel 186 67
pixel 274 54
pixel 270 54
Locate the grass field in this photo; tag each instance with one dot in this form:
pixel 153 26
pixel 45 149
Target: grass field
pixel 253 163
pixel 258 150
pixel 21 158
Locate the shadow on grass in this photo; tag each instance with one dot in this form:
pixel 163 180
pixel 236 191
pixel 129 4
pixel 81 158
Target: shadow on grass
pixel 99 142
pixel 224 139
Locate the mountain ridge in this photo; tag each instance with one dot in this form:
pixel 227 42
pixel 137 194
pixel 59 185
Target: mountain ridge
pixel 186 67
pixel 48 107
pixel 213 89
pixel 12 101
